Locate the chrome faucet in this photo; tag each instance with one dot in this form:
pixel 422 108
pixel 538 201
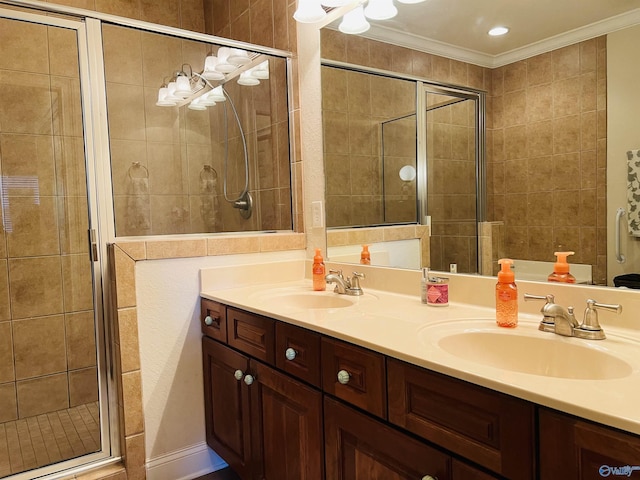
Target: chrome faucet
pixel 345 286
pixel 560 320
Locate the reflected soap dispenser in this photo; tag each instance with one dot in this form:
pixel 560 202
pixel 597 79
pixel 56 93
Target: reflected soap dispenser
pixel 365 255
pixel 506 295
pixel 318 272
pixel 561 269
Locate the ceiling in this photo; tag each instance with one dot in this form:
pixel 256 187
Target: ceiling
pixel 458 28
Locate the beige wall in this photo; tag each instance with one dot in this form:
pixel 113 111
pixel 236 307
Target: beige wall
pixel 547 146
pixel 623 134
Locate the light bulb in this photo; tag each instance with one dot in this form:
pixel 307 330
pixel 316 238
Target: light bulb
pixel 354 22
pixel 163 93
pixel 309 11
pixel 380 10
pixel 217 94
pixel 248 80
pixel 183 87
pixel 210 72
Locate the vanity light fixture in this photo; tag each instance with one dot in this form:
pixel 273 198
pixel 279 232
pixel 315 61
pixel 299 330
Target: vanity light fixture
pixel 497 31
pixel 353 21
pixel 187 86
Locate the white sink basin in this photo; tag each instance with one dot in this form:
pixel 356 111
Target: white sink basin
pixel 291 298
pixel 527 350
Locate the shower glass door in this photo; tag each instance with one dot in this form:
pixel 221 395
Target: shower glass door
pixel 454 177
pixel 50 408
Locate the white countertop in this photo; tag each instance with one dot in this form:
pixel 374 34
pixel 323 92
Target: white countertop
pixel 402 327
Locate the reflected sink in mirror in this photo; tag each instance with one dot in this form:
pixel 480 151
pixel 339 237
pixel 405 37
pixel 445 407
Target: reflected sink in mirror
pixel 533 353
pixel 296 298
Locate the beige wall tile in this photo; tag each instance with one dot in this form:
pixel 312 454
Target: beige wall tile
pixel 7 373
pixel 70 165
pixel 232 245
pixel 135 457
pixel 80 340
pixel 132 398
pixel 39 346
pixel 35 286
pixel 8 403
pixel 34 227
pixel 123 55
pixel 566 62
pixel 5 311
pixel 515 76
pixel 73 224
pixel 41 167
pixel 176 249
pixel 123 8
pixel 23 46
pixel 77 282
pixel 67 106
pixel 191 15
pixel 83 386
pixel 166 173
pixel 566 134
pixel 128 340
pixel 164 13
pixel 63 52
pixel 136 250
pixel 125 279
pixel 281 242
pixel 126 111
pixel 261 23
pixel 111 472
pixel 42 395
pixel 26 100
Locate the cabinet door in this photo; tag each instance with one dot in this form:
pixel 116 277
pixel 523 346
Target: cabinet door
pixel 287 417
pixel 227 406
pixel 573 449
pixel 486 427
pixel 358 447
pixel 298 352
pixel 354 374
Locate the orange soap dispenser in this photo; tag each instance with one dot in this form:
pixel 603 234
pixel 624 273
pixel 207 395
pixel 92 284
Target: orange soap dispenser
pixel 365 255
pixel 561 269
pixel 318 272
pixel 506 295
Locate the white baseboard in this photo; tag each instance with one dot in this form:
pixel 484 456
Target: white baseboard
pixel 184 464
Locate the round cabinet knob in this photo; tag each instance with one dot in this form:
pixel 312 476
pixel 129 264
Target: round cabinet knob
pixel 343 377
pixel 238 374
pixel 290 353
pixel 208 320
pixel 429 477
pixel 248 379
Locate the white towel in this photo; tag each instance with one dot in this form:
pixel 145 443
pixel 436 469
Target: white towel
pixel 633 192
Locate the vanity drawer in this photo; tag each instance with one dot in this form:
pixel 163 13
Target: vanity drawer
pixel 251 334
pixel 362 375
pixel 298 352
pixel 489 428
pixel 213 319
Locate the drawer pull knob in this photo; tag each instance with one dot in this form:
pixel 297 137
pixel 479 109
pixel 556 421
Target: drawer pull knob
pixel 290 353
pixel 208 320
pixel 238 374
pixel 429 477
pixel 248 379
pixel 343 377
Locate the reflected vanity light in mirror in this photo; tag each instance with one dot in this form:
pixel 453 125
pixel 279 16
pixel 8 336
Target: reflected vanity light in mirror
pixel 407 173
pixel 354 22
pixel 309 11
pixel 380 10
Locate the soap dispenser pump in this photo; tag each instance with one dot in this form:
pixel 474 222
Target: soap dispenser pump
pixel 561 269
pixel 506 295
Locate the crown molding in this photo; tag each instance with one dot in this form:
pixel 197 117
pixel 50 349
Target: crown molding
pixel 434 47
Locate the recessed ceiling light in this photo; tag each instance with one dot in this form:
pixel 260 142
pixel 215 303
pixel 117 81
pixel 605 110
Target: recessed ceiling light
pixel 497 31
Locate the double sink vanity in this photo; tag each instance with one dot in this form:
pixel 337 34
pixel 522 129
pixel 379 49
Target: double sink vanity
pixel 312 385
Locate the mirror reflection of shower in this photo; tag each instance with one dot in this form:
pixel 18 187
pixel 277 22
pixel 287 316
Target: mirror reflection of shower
pixel 199 106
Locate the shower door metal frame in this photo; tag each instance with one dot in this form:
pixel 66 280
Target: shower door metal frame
pixel 479 98
pixel 109 428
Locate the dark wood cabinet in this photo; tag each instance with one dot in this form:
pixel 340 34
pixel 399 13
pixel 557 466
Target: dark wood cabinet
pixel 489 428
pixel 265 424
pixel 574 449
pixel 358 447
pixel 227 406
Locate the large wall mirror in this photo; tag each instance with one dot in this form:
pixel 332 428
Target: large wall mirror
pixel 556 136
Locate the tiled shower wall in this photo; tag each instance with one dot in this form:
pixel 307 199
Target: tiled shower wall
pixel 546 139
pixel 47 346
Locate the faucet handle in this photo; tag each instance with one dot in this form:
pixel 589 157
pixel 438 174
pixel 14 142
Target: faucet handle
pixel 336 272
pixel 549 298
pixel 355 280
pixel 590 321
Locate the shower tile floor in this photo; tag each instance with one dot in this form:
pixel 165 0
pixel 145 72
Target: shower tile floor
pixel 36 441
